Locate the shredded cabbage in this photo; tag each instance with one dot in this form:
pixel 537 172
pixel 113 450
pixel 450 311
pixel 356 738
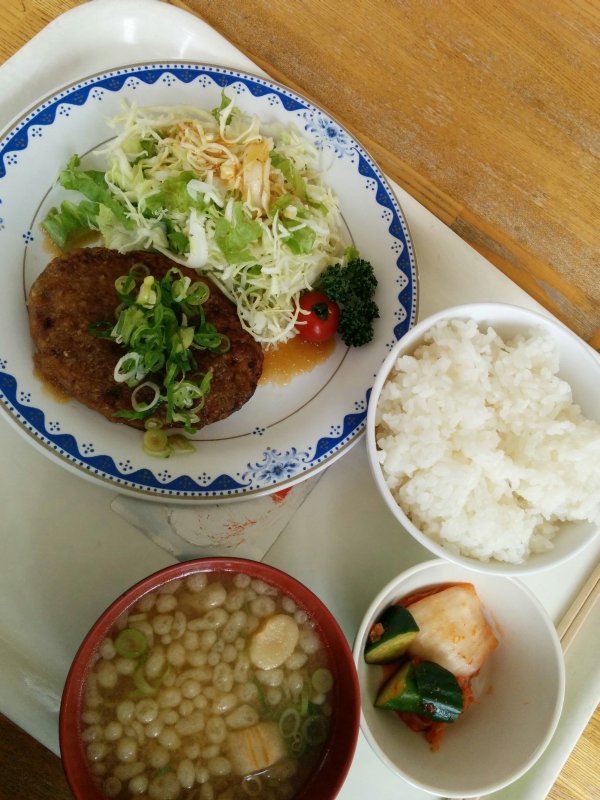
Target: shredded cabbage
pixel 222 192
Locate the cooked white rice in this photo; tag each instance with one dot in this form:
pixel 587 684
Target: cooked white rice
pixel 482 446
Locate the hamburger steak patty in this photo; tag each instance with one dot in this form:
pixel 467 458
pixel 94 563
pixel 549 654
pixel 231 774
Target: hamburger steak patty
pixel 78 288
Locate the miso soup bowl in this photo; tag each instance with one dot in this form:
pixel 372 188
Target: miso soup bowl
pixel 579 366
pixel 518 693
pixel 330 770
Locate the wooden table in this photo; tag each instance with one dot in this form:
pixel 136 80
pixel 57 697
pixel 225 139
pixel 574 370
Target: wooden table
pixel 486 111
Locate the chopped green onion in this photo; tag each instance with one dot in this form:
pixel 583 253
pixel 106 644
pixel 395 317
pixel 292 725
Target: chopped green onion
pixel 141 684
pixel 289 723
pixel 225 345
pixel 180 444
pixel 129 320
pixel 124 286
pixel 143 687
pixel 139 269
pixel 160 322
pixel 145 406
pixel 182 340
pixel 147 295
pixel 198 294
pixel 156 443
pixel 304 700
pixel 102 330
pixel 153 361
pixel 315 729
pixel 153 423
pixel 210 339
pixel 128 368
pixel 180 289
pixel 131 643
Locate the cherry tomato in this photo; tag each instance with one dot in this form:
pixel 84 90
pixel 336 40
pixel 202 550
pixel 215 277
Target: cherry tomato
pixel 321 321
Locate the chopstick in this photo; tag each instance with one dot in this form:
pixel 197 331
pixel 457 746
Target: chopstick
pixel 579 609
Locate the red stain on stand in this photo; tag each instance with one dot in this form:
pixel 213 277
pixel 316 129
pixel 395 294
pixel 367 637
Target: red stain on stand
pixel 279 496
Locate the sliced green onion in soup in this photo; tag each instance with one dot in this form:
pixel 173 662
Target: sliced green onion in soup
pixel 304 700
pixel 289 723
pixel 315 729
pixel 142 686
pixel 131 643
pixel 296 743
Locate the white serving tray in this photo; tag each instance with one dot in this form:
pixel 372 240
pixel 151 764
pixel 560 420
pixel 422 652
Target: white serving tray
pixel 66 555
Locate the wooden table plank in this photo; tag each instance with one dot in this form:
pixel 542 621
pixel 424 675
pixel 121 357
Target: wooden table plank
pixel 486 112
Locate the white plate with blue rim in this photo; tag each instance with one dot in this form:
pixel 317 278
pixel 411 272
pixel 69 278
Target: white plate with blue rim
pixel 284 434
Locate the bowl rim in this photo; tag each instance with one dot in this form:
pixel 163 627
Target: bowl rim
pixel 347 723
pixel 373 609
pixel 476 311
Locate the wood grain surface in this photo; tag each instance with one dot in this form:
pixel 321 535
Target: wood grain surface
pixel 487 112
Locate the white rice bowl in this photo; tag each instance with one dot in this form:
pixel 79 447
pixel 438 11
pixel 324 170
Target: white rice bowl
pixel 477 439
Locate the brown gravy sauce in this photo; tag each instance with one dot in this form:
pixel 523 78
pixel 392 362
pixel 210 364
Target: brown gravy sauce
pixel 292 358
pixel 48 388
pixel 85 239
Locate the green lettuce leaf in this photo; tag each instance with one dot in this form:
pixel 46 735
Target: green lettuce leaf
pixel 118 237
pixel 225 101
pixel 92 184
pixel 173 195
pixel 234 237
pixel 70 219
pixel 289 172
pixel 281 203
pixel 178 241
pixel 301 241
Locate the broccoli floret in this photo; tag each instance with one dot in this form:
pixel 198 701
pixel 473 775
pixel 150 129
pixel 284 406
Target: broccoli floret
pixel 352 287
pixel 356 322
pixel 340 282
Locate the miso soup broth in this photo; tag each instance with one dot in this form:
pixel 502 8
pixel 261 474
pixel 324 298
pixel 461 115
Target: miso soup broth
pixel 213 687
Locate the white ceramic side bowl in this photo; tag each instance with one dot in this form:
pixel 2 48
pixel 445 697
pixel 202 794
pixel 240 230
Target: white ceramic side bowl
pixel 579 366
pixel 520 692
